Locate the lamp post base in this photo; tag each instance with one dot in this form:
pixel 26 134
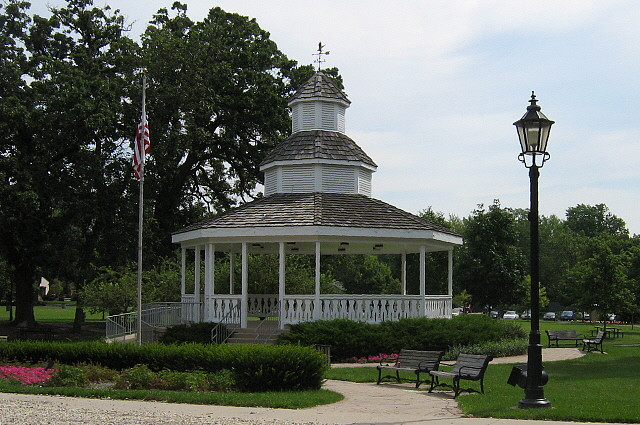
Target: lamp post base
pixel 533 403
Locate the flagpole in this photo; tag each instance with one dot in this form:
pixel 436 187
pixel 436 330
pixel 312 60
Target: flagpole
pixel 141 210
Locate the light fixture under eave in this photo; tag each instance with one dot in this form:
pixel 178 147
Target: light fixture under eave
pixel 295 249
pixel 344 243
pixel 341 249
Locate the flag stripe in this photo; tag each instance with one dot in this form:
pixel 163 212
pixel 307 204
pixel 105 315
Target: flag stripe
pixel 141 147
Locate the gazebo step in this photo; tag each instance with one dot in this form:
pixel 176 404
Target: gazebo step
pixel 250 336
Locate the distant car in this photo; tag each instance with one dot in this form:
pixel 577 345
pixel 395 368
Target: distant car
pixel 494 314
pixel 510 315
pixel 526 315
pixel 549 316
pixel 612 317
pixel 567 315
pixel 457 311
pixel 586 316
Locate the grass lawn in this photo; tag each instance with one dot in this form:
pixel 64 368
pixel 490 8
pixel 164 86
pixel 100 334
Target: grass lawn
pixel 272 399
pixel 594 388
pixel 54 313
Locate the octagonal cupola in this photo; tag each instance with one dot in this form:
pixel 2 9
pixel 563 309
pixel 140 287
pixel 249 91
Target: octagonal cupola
pixel 318 156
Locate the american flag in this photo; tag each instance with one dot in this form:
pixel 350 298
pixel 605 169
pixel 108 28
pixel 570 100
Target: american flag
pixel 141 147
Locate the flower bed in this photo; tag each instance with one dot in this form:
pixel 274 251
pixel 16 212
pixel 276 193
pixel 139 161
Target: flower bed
pixel 373 358
pixel 26 375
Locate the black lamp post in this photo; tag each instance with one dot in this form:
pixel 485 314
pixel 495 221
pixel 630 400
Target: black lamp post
pixel 533 132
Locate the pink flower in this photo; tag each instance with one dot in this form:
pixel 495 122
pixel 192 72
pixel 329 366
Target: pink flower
pixel 26 375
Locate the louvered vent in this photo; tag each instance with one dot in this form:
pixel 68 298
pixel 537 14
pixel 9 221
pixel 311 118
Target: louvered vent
pixel 298 179
pixel 328 116
pixel 270 181
pixel 364 182
pixel 341 128
pixel 295 119
pixel 337 179
pixel 308 116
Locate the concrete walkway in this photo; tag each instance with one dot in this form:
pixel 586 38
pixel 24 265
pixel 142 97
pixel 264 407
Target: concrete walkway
pixel 388 404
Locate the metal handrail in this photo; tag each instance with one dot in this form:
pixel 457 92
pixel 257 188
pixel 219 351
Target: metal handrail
pixel 222 331
pixel 274 313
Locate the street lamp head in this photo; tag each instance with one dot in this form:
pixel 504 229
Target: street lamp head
pixel 533 132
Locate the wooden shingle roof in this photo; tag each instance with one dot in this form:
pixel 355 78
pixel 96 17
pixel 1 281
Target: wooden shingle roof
pixel 318 144
pixel 318 209
pixel 319 86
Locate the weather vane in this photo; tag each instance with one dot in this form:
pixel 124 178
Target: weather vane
pixel 319 55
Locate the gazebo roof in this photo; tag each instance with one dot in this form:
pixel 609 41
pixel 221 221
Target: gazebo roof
pixel 333 215
pixel 319 86
pixel 318 144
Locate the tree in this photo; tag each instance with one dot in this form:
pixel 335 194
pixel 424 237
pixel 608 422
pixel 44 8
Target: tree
pixel 362 274
pixel 219 90
pixel 490 266
pixel 600 282
pixel 60 150
pixel 595 220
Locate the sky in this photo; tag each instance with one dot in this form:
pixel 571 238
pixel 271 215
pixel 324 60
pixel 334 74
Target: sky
pixel 436 85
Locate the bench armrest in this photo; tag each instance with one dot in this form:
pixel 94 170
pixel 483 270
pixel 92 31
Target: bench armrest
pixel 384 361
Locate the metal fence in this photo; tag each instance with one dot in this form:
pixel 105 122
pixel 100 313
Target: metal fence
pixel 124 327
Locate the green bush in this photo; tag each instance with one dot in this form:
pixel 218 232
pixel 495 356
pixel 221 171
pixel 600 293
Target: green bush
pixel 254 367
pixel 193 332
pixel 68 376
pixel 358 339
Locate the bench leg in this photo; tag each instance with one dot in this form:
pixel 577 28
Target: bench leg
pixel 433 383
pixel 379 376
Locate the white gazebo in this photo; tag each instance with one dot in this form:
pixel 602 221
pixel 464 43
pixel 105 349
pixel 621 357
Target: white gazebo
pixel 317 201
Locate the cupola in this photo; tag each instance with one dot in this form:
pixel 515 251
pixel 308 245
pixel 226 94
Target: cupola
pixel 318 156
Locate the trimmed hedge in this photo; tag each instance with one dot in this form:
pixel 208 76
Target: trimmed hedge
pixel 348 338
pixel 255 367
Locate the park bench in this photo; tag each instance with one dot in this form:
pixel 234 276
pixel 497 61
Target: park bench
pixel 470 367
pixel 410 361
pixel 592 344
pixel 565 335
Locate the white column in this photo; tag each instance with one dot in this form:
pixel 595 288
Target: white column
pixel 423 281
pixel 209 279
pixel 196 286
pixel 232 266
pixel 245 287
pixel 403 271
pixel 281 286
pixel 450 273
pixel 316 307
pixel 183 272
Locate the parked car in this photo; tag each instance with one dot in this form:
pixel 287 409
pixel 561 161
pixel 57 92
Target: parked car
pixel 494 314
pixel 526 315
pixel 612 317
pixel 567 315
pixel 510 315
pixel 457 311
pixel 550 315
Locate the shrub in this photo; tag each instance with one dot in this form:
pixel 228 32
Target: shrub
pixel 138 377
pixel 193 332
pixel 357 339
pixel 68 376
pixel 254 367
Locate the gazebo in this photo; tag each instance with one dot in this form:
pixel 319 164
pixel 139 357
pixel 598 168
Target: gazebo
pixel 317 201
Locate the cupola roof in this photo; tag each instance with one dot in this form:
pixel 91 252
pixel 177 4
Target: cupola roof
pixel 319 86
pixel 319 145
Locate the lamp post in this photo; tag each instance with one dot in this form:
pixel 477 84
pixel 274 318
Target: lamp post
pixel 533 132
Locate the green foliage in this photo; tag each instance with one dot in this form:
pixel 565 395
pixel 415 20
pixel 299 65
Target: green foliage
pixel 362 274
pixel 592 221
pixel 357 339
pixel 68 376
pixel 255 368
pixel 192 332
pixel 115 290
pixel 490 266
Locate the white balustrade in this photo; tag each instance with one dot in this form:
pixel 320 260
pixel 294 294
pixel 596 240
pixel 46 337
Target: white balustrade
pixel 300 308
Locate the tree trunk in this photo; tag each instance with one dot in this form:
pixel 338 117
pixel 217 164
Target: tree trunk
pixel 23 277
pixel 78 320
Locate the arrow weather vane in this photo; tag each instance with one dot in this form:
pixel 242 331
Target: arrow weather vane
pixel 319 55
